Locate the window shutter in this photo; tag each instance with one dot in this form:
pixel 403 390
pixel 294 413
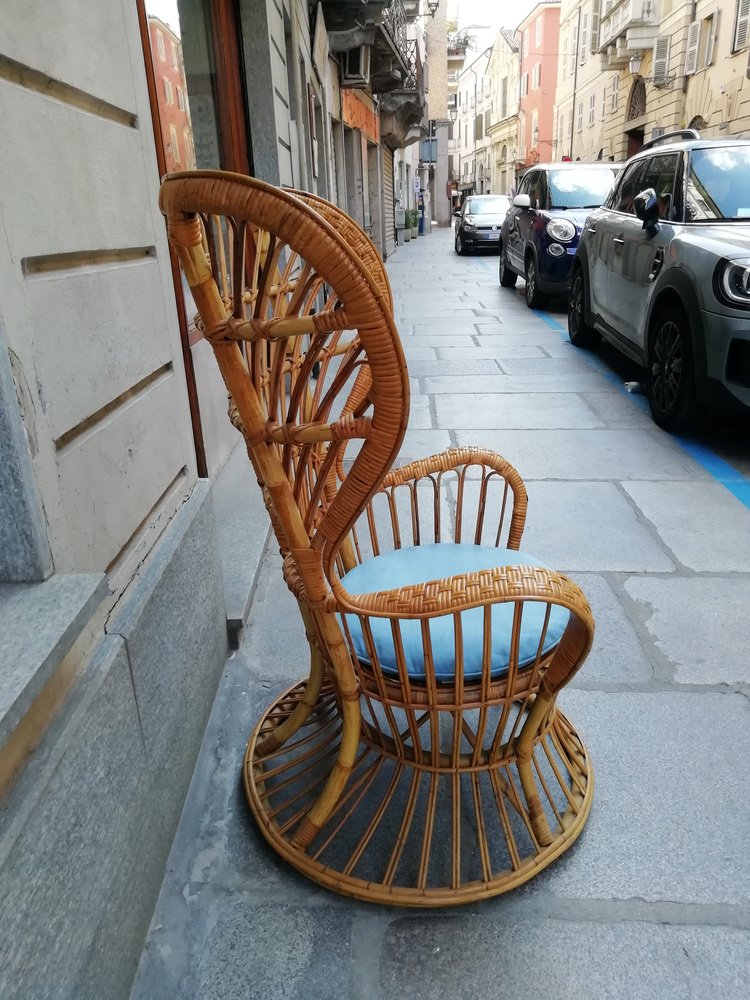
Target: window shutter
pixel 595 6
pixel 711 39
pixel 691 56
pixel 574 46
pixel 661 55
pixel 478 129
pixel 487 121
pixel 584 35
pixel 741 27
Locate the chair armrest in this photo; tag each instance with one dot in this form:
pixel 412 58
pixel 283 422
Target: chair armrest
pixel 502 584
pixel 456 459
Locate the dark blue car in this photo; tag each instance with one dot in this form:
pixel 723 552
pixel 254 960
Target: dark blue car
pixel 540 234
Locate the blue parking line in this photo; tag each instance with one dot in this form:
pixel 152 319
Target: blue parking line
pixel 724 473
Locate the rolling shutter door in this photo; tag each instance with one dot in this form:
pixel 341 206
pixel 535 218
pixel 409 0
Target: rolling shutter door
pixel 389 218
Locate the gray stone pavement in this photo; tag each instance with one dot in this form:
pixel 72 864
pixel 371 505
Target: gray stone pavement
pixel 653 901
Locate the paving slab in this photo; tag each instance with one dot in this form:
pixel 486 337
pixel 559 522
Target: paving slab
pixel 620 409
pixel 503 349
pixel 489 410
pixel 420 412
pixel 671 813
pixel 699 624
pixel 590 527
pixel 469 958
pixel 704 525
pixel 502 383
pixel 617 656
pixel 461 366
pixel 606 453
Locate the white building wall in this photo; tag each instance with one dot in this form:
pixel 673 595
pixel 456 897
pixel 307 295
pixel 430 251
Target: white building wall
pixel 88 301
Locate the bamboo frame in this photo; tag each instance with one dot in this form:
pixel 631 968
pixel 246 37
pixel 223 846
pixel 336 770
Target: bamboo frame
pixel 374 782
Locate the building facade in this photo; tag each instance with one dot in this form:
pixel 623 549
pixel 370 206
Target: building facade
pixel 113 429
pixel 503 73
pixel 538 57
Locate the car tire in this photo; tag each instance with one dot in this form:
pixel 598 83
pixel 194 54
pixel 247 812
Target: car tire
pixel 507 277
pixel 534 298
pixel 580 333
pixel 671 371
pixel 460 248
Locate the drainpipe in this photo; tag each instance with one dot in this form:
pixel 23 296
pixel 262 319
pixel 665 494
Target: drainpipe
pixel 575 81
pixel 301 107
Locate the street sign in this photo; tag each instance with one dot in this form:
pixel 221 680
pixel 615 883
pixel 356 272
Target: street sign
pixel 416 185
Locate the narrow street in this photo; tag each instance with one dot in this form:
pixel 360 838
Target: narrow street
pixel 653 902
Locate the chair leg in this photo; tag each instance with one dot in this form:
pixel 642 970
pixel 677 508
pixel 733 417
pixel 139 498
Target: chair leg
pixel 524 750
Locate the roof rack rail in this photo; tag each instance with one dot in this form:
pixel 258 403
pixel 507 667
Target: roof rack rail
pixel 682 133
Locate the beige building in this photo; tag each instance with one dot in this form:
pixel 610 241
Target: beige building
pixel 502 71
pixel 472 154
pixel 588 91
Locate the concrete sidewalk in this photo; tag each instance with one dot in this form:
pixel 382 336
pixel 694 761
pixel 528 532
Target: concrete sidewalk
pixel 653 902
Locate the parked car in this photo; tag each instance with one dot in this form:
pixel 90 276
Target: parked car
pixel 479 220
pixel 541 230
pixel 663 273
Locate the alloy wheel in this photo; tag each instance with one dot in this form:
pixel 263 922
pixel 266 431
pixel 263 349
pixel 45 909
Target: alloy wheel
pixel 667 367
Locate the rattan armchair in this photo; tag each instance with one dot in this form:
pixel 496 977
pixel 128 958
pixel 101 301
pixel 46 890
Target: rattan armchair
pixel 423 761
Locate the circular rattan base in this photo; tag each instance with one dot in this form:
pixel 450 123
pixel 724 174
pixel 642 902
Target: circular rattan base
pixel 410 835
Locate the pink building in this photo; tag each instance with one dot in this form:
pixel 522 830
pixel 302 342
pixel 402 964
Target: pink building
pixel 540 34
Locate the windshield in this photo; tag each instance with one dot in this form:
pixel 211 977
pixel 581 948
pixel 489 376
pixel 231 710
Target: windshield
pixel 487 206
pixel 718 185
pixel 580 187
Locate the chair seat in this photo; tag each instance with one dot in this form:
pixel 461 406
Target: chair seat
pixel 422 563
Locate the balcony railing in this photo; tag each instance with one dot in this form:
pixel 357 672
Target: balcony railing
pixel 394 22
pixel 624 15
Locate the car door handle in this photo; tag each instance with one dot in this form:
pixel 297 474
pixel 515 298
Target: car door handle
pixel 591 229
pixel 618 242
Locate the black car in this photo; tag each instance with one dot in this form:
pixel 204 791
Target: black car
pixel 663 274
pixel 479 220
pixel 541 230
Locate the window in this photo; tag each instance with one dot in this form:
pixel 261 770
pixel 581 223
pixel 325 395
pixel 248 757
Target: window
pixel 741 25
pixel 479 127
pixel 661 57
pixel 661 175
pixel 168 93
pixel 504 98
pixel 564 60
pixel 524 84
pixel 580 116
pixel 573 49
pixel 708 37
pixel 538 31
pixel 584 35
pixel 160 45
pixel 615 91
pixel 174 144
pixel 691 53
pixel 604 103
pixel 592 109
pixel 175 60
pixel 536 77
pixel 629 186
pixel 180 98
pixel 487 121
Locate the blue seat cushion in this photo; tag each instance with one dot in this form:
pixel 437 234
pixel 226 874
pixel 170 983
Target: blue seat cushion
pixel 422 563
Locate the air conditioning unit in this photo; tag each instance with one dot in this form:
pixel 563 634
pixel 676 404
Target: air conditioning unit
pixel 355 67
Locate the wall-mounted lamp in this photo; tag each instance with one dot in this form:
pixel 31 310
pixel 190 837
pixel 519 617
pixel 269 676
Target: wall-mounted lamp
pixel 453 112
pixel 635 65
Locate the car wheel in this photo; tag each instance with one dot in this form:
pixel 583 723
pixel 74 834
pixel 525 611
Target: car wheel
pixel 460 249
pixel 508 278
pixel 580 333
pixel 534 298
pixel 671 372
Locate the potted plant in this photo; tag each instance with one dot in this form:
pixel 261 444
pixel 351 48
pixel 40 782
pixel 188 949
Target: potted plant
pixel 413 222
pixel 407 225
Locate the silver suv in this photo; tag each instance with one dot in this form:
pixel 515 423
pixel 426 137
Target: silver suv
pixel 662 272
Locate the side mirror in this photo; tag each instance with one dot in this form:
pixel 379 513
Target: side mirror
pixel 456 213
pixel 646 207
pixel 522 201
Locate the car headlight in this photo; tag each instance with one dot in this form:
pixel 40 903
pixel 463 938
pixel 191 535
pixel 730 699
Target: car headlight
pixel 734 282
pixel 561 229
pixel 469 225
